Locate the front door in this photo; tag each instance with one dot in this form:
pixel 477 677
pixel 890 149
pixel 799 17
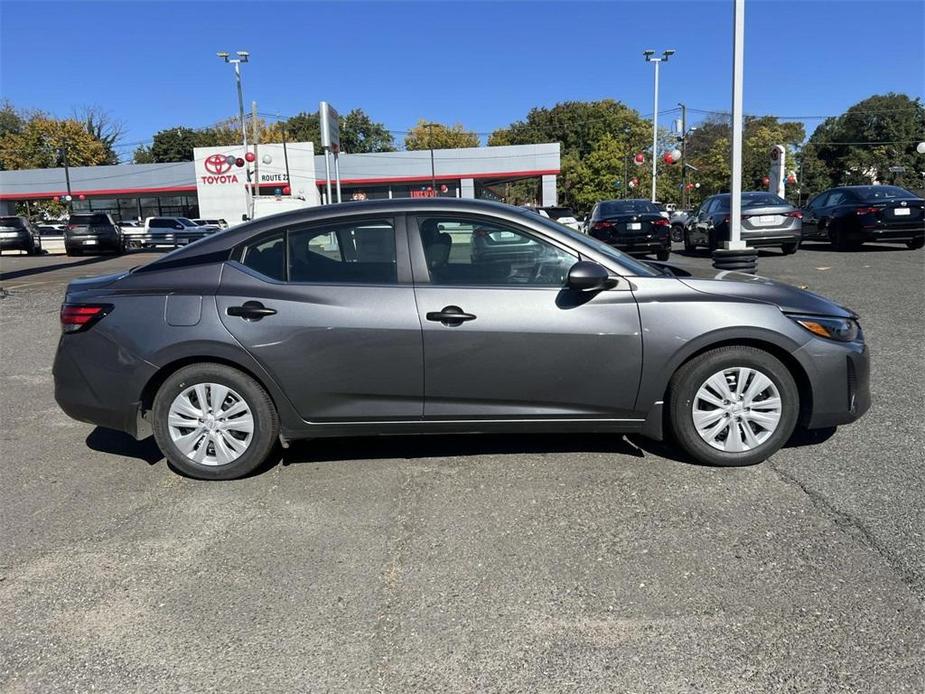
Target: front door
pixel 329 311
pixel 504 338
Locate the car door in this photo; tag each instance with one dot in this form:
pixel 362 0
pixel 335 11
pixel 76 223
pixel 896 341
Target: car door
pixel 329 310
pixel 704 221
pixel 504 339
pixel 811 216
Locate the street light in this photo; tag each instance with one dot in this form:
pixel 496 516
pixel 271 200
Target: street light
pixel 648 55
pixel 243 57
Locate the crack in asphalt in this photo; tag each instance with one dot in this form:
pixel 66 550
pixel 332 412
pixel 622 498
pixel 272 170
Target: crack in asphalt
pixel 853 527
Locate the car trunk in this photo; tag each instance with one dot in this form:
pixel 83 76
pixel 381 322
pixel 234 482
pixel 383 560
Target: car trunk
pixel 759 220
pixel 629 228
pixel 897 212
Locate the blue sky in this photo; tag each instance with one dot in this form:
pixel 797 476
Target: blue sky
pixel 153 65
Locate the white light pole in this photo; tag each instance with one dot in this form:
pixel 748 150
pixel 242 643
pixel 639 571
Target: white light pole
pixel 649 59
pixel 735 242
pixel 243 57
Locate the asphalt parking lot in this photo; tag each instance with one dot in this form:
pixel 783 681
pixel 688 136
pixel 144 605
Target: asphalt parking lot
pixel 540 563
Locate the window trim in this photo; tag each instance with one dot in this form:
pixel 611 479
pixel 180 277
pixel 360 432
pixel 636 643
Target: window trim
pixel 421 272
pixel 402 260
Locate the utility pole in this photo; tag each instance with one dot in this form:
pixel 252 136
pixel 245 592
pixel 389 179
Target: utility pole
pixel 243 57
pixel 62 152
pixel 256 158
pixel 738 63
pixel 683 156
pixel 286 158
pixel 649 59
pixel 433 168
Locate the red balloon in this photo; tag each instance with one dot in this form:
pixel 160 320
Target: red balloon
pixel 286 190
pixel 639 158
pixel 666 157
pixel 765 181
pixel 250 156
pixel 56 198
pixel 82 197
pixel 239 162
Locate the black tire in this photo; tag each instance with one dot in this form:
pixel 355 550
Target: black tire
pixel 73 251
pixel 712 242
pixel 265 428
pixel 663 255
pixel 689 246
pixel 692 375
pixel 790 248
pixel 677 232
pixel 915 244
pixel 842 241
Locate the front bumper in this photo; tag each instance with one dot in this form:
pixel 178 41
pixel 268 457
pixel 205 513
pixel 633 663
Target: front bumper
pixel 839 379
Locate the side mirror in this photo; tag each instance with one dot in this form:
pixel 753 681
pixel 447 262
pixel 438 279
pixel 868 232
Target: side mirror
pixel 586 276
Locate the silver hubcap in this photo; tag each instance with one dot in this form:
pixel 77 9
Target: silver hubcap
pixel 210 423
pixel 737 409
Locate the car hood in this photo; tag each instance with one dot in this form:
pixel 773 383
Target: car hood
pixel 757 288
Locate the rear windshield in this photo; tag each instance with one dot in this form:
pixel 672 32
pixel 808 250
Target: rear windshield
pixel 872 193
pixel 15 222
pixel 88 219
pixel 558 212
pixel 755 200
pixel 627 207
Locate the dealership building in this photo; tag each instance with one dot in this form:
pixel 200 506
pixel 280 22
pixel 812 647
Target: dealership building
pixel 215 183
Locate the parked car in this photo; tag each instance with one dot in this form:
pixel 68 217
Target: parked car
pixel 767 220
pixel 850 215
pixel 378 318
pixel 678 220
pixel 92 231
pixel 220 223
pixel 563 215
pixel 18 234
pixel 174 231
pixel 633 226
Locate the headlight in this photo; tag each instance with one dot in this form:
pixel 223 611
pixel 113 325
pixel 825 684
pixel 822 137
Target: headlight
pixel 841 329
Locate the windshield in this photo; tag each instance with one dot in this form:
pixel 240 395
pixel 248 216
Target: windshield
pixel 870 193
pixel 186 222
pixel 615 207
pixel 633 267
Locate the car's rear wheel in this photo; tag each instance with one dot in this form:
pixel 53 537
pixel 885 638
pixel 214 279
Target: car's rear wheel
pixel 73 251
pixel 662 255
pixel 915 243
pixel 733 406
pixel 214 422
pixel 689 246
pixel 790 248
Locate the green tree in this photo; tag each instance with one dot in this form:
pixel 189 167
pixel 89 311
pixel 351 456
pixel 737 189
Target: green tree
pixel 102 126
pixel 11 121
pixel 862 144
pixel 176 144
pixel 426 135
pixel 38 143
pixel 577 125
pixel 359 134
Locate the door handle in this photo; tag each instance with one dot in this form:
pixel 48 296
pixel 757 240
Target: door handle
pixel 251 310
pixel 450 315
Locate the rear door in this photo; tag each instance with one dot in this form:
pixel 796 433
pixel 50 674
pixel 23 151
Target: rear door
pixel 504 339
pixel 329 311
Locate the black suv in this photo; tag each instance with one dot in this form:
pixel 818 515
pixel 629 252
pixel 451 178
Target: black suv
pixel 850 215
pixel 92 231
pixel 17 234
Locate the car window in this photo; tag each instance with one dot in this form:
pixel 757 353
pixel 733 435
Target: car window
pixel 463 251
pixel 617 207
pixel 836 197
pixel 875 193
pixel 268 257
pixel 88 219
pixel 357 253
pixel 12 222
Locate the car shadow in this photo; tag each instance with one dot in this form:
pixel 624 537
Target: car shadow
pixel 26 272
pixel 705 253
pixel 330 450
pixel 866 248
pixel 119 443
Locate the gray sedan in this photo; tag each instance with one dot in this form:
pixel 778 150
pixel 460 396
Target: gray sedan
pixel 446 315
pixel 767 220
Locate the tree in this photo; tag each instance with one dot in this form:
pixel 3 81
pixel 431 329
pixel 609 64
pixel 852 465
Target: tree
pixel 102 126
pixel 11 121
pixel 426 135
pixel 38 143
pixel 361 134
pixel 862 144
pixel 577 125
pixel 176 144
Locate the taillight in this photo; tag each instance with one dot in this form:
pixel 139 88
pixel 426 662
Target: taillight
pixel 603 225
pixel 661 222
pixel 77 317
pixel 866 210
pixel 71 227
pixel 796 214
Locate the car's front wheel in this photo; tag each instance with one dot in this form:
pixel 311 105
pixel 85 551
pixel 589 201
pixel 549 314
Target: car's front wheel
pixel 733 406
pixel 915 243
pixel 790 248
pixel 214 422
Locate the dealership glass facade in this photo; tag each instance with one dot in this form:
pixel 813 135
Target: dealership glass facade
pixel 128 208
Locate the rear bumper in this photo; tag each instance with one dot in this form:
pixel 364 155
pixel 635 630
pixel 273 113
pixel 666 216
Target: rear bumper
pixel 92 242
pixel 97 382
pixel 640 245
pixel 839 378
pixel 904 232
pixel 777 238
pixel 16 244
